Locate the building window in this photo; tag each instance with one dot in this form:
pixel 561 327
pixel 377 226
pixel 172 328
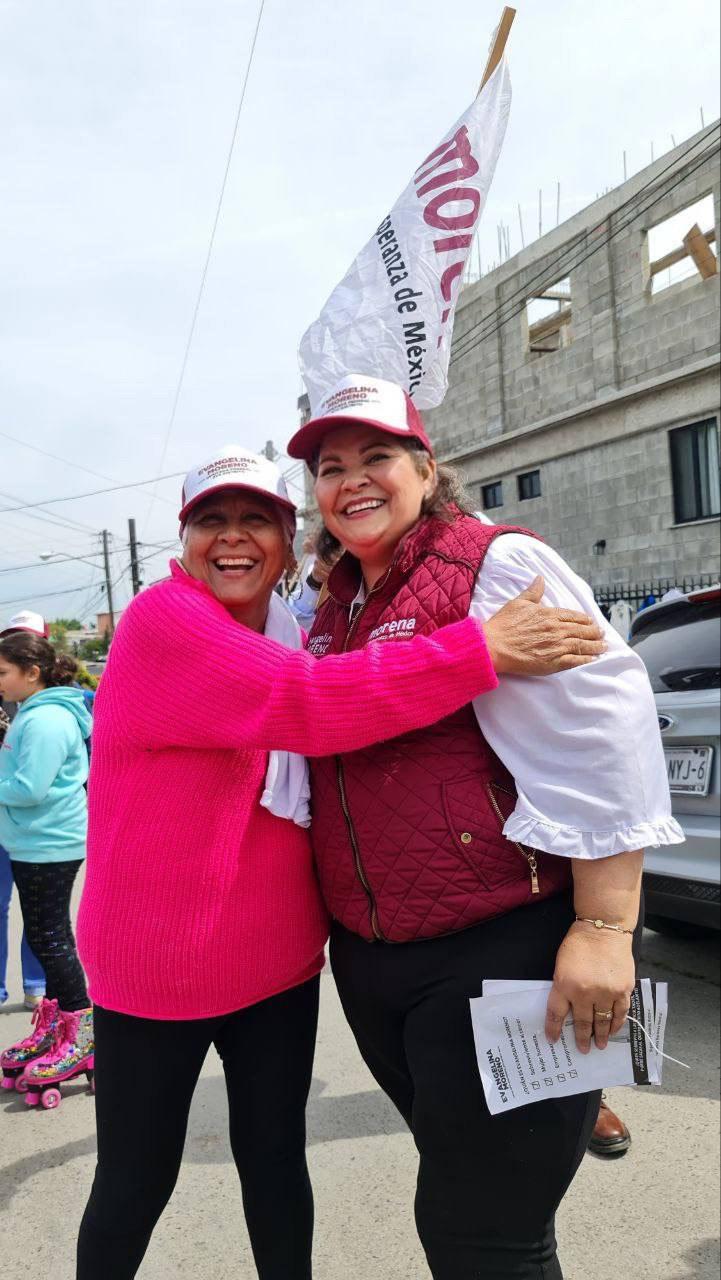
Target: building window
pixel 548 316
pixel 529 485
pixel 683 246
pixel 492 495
pixel 695 471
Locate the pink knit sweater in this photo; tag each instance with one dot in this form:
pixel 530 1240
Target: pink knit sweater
pixel 197 901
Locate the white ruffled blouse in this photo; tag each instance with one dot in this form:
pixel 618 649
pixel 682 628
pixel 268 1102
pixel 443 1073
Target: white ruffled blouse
pixel 584 745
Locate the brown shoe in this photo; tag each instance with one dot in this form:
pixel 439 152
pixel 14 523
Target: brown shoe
pixel 610 1136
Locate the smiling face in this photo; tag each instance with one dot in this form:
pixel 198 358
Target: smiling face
pixel 370 491
pixel 236 543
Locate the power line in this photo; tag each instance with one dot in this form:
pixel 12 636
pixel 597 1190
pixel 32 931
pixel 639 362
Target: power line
pixel 554 267
pixel 93 493
pixel 62 522
pixel 18 537
pixel 61 559
pixel 92 596
pixel 211 242
pixel 47 595
pixel 57 458
pixel 44 564
pixel 126 568
pixel 496 320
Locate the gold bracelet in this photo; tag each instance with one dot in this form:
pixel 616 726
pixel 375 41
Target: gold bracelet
pixel 601 924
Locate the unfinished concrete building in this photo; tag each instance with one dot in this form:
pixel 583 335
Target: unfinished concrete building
pixel 584 396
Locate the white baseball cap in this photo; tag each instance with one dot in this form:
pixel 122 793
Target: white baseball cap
pixel 26 620
pixel 365 400
pixel 233 467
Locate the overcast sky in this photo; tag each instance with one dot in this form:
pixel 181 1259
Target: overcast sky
pixel 117 119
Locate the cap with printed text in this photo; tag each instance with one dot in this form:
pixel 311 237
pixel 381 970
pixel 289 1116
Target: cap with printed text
pixel 233 467
pixel 364 400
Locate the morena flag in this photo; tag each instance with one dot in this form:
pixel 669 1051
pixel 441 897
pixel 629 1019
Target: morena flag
pixel 392 314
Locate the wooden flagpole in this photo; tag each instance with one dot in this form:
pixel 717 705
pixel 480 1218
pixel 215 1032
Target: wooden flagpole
pixel 499 44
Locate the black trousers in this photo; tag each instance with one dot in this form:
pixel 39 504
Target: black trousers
pixel 145 1075
pixel 44 889
pixel 488 1186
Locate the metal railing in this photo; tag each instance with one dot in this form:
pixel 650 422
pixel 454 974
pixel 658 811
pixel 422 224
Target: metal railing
pixel 636 592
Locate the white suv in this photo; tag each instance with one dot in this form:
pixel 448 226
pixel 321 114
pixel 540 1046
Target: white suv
pixel 680 643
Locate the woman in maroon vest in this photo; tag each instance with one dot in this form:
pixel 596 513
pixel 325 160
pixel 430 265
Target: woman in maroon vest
pixel 487 845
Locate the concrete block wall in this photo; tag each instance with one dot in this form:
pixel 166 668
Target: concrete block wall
pixel 620 334
pixel 661 332
pixel 620 495
pixel 594 416
pixel 608 478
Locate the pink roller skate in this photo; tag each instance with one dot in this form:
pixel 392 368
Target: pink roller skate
pixel 45 1026
pixel 72 1055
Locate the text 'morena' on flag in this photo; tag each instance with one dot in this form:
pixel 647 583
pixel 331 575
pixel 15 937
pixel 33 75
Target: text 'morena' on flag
pixel 392 314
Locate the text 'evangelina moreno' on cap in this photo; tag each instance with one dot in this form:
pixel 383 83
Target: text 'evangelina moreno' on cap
pixel 367 401
pixel 233 467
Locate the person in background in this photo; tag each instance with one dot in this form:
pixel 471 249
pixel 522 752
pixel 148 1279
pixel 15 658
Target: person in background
pixel 31 623
pixel 33 976
pixel 611 1137
pixel 502 841
pixel 43 823
pixel 303 599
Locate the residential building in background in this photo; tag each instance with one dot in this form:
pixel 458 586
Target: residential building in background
pixel 583 397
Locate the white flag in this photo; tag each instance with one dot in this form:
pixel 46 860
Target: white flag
pixel 392 314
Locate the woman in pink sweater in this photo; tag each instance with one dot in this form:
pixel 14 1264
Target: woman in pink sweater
pixel 201 921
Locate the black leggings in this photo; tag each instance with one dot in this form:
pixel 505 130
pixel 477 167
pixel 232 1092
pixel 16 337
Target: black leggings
pixel 488 1186
pixel 44 889
pixel 145 1075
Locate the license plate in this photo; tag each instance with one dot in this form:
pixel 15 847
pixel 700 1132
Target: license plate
pixel 689 769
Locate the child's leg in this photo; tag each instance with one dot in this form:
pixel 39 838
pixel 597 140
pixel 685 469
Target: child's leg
pixel 6 888
pixel 33 972
pixel 45 889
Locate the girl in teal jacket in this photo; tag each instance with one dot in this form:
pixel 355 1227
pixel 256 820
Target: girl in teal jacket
pixel 43 825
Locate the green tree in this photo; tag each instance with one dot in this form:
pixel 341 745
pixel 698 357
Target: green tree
pixel 59 628
pixel 85 679
pixel 70 624
pixel 91 650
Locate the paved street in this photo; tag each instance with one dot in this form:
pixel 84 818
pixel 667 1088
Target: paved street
pixel 652 1214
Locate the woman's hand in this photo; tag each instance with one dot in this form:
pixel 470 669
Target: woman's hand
pixel 527 639
pixel 595 975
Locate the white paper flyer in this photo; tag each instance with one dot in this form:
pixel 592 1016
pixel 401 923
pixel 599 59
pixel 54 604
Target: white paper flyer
pixel 519 1065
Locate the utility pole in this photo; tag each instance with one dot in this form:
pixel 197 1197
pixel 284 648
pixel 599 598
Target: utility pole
pixel 108 583
pixel 134 567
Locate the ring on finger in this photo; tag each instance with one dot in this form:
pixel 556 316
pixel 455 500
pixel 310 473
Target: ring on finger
pixel 606 1014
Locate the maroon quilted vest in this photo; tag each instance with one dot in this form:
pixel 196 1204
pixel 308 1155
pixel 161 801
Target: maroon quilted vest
pixel 407 834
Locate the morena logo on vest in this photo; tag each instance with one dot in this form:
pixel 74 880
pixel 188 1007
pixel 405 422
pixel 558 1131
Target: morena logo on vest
pixel 400 628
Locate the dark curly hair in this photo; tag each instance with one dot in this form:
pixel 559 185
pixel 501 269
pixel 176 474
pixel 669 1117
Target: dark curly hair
pixel 24 650
pixel 447 500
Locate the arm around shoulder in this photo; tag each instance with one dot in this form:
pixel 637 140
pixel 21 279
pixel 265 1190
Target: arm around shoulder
pixel 182 672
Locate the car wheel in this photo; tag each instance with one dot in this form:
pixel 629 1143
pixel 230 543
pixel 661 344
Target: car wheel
pixel 670 928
